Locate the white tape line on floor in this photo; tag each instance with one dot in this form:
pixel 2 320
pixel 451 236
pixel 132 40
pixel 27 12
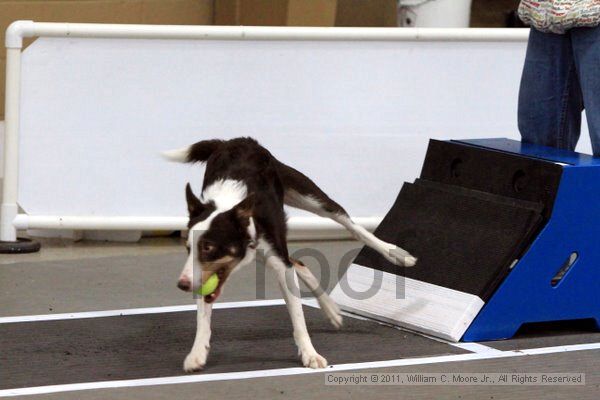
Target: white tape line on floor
pixel 137 311
pixel 475 347
pixel 292 371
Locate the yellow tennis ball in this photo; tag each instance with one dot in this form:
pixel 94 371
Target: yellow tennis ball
pixel 209 286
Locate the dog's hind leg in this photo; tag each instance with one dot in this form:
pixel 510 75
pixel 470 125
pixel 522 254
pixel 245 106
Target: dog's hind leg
pixel 301 192
pixel 328 306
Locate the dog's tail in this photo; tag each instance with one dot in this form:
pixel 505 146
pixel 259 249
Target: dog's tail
pixel 198 152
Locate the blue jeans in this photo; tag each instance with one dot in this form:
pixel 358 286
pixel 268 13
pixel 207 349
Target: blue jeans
pixel 561 76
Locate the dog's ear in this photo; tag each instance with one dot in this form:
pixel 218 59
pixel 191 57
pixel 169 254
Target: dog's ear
pixel 195 206
pixel 245 208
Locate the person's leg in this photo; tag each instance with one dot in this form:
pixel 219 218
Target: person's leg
pixel 550 101
pixel 586 49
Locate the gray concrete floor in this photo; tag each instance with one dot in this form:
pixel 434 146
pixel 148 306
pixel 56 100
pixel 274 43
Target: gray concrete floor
pixel 88 276
pixel 313 386
pixel 71 276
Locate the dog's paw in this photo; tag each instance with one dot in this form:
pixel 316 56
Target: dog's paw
pixel 312 359
pixel 401 257
pixel 195 361
pixel 409 261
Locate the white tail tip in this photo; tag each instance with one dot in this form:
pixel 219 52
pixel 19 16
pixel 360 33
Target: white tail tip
pixel 177 155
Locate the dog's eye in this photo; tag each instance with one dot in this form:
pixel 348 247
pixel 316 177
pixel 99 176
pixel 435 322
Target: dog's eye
pixel 207 247
pixel 234 250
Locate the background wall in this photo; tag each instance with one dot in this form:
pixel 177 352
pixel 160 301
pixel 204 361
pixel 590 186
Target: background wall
pixel 485 13
pixel 305 13
pixel 184 12
pixel 177 12
pixel 491 13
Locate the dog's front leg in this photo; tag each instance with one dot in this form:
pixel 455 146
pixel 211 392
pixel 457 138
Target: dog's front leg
pixel 196 359
pixel 288 284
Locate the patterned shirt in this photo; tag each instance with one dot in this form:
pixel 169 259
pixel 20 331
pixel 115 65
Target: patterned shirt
pixel 559 15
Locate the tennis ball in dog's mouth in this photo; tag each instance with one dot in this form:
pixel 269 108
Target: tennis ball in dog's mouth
pixel 209 286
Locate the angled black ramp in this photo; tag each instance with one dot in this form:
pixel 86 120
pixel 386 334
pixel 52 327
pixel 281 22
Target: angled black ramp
pixel 450 231
pixel 467 220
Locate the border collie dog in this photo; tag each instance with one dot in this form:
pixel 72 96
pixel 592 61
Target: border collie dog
pixel 240 208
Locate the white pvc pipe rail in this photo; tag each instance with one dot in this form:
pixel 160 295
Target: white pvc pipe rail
pixel 20 29
pixel 300 227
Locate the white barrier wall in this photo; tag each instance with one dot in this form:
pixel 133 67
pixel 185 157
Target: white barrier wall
pixel 353 115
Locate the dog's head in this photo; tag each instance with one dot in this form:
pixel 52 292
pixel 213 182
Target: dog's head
pixel 219 241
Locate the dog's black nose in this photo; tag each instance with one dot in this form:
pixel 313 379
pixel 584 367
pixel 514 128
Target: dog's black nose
pixel 184 285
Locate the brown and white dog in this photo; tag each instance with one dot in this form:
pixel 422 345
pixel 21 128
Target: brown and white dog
pixel 240 208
